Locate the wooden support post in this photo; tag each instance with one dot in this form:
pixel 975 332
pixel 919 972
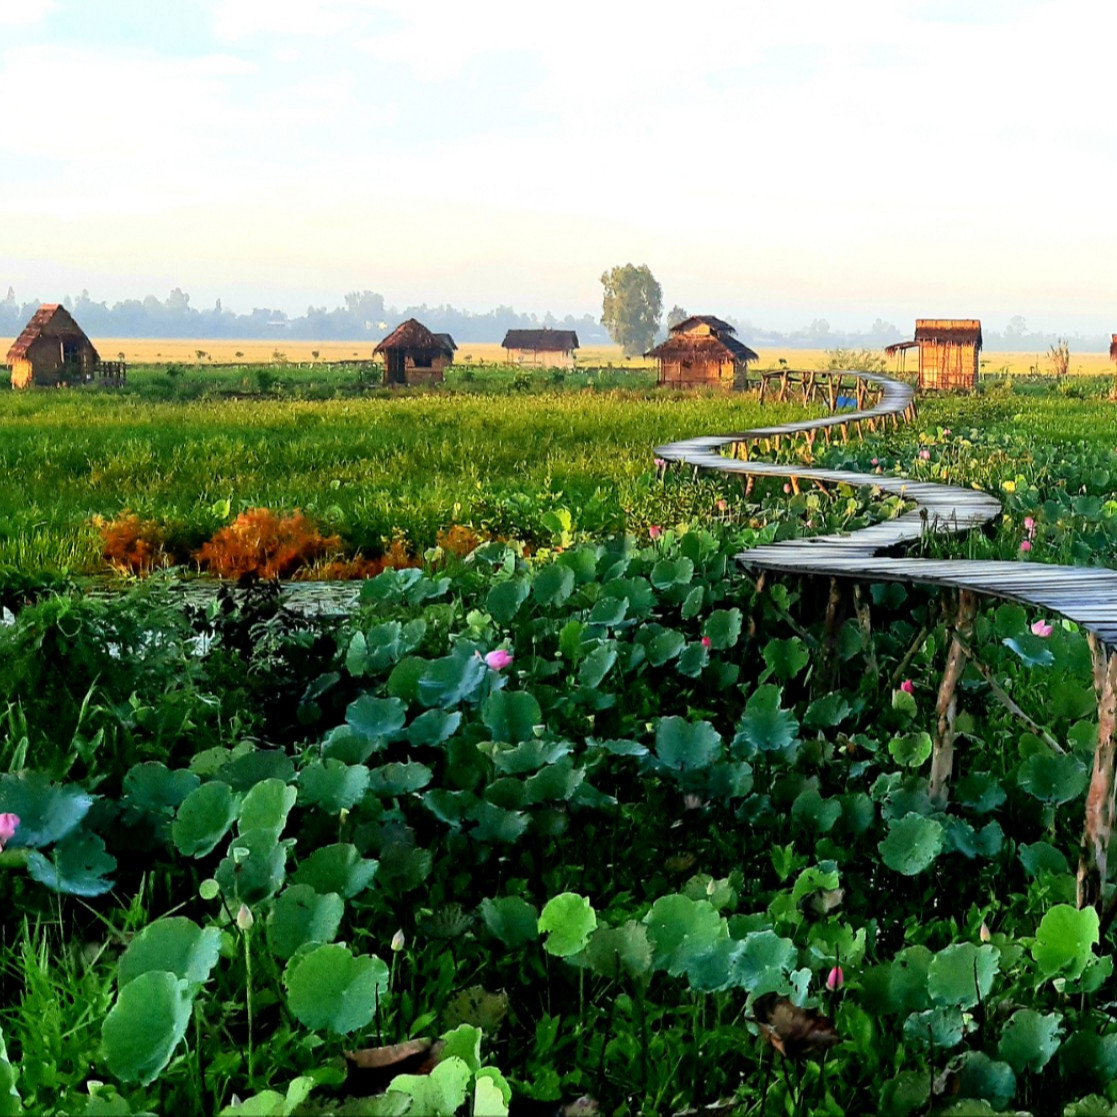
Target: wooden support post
pixel 1093 858
pixel 864 623
pixel 832 395
pixel 795 485
pixel 830 662
pixel 748 484
pixel 942 752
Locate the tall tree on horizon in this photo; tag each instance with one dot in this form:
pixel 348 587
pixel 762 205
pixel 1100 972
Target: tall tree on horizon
pixel 632 307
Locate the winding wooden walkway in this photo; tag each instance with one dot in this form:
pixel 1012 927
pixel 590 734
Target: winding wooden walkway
pixel 1085 595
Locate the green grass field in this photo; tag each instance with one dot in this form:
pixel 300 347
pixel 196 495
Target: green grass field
pixel 365 466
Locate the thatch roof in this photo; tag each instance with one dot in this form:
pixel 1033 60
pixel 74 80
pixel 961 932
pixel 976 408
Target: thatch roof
pixel 48 315
pixel 411 334
pixel 1113 348
pixel 961 331
pixel 718 325
pixel 447 342
pixel 705 347
pixel 892 350
pixel 541 341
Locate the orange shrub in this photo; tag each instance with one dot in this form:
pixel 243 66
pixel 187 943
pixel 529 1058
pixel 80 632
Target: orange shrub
pixel 132 545
pixel 458 540
pixel 262 543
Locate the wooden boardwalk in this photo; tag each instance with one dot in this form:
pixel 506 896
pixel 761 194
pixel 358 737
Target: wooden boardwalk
pixel 1085 595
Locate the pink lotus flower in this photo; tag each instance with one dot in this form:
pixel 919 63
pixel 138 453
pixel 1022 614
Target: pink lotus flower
pixel 1025 546
pixel 878 469
pixel 706 641
pixel 722 506
pixel 946 432
pixel 498 659
pixel 1041 628
pixel 787 487
pixel 9 823
pixel 655 531
pixel 925 455
pixel 835 979
pixel 907 686
pixel 660 463
pixel 875 462
pixel 1029 523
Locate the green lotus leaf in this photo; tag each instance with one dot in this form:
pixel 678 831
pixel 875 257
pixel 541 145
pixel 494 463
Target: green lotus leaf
pixel 912 844
pixel 145 1025
pixel 175 944
pixel 330 989
pixel 567 920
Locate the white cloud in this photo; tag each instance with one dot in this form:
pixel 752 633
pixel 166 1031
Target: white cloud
pixel 244 19
pixel 25 13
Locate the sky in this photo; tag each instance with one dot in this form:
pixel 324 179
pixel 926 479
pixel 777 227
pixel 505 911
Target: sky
pixel 775 162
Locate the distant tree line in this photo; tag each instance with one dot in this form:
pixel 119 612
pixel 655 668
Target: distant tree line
pixel 365 315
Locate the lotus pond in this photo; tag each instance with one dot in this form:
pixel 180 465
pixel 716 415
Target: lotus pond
pixel 599 824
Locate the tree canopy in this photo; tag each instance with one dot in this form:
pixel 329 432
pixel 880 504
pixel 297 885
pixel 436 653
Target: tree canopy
pixel 632 307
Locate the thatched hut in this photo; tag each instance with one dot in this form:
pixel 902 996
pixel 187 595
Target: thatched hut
pixel 52 350
pixel 414 355
pixel 544 348
pixel 701 352
pixel 1113 348
pixel 948 349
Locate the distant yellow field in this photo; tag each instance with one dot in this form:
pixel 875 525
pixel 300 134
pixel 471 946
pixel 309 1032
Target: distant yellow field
pixel 223 351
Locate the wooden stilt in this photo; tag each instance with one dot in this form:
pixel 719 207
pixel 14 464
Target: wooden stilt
pixel 1093 859
pixel 942 753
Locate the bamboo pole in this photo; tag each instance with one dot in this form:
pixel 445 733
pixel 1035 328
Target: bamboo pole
pixel 1098 829
pixel 942 752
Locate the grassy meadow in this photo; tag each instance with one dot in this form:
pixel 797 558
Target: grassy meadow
pixel 366 467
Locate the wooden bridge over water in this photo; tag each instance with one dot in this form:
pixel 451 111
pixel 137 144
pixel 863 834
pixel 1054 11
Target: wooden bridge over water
pixel 1085 595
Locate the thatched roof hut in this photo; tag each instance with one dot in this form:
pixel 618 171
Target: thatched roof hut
pixel 948 349
pixel 52 349
pixel 544 348
pixel 414 355
pixel 1113 348
pixel 701 351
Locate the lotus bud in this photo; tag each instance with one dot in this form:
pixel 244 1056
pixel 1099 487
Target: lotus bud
pixel 835 979
pixel 984 934
pixel 245 918
pixel 398 942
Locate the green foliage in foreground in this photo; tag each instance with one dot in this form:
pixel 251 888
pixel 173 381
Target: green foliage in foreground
pixel 596 864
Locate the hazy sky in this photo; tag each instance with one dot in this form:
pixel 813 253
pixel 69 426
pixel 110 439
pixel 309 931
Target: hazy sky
pixel 777 161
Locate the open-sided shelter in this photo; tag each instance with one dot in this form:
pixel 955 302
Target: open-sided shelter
pixel 52 350
pixel 701 352
pixel 541 348
pixel 948 349
pixel 414 355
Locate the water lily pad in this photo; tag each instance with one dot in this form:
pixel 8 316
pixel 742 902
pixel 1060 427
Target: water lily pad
pixel 567 920
pixel 1030 1039
pixel 962 974
pixel 175 944
pixel 511 919
pixel 765 726
pixel 47 811
pixel 75 867
pixel 204 818
pixel 912 844
pixel 330 989
pixel 266 806
pixel 1065 941
pixel 145 1025
pixel 302 915
pixel 336 868
pixel 686 746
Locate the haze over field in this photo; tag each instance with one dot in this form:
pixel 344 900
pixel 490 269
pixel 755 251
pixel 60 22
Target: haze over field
pixel 886 159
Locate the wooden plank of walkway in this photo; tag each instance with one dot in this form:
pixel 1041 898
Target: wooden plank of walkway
pixel 1085 595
